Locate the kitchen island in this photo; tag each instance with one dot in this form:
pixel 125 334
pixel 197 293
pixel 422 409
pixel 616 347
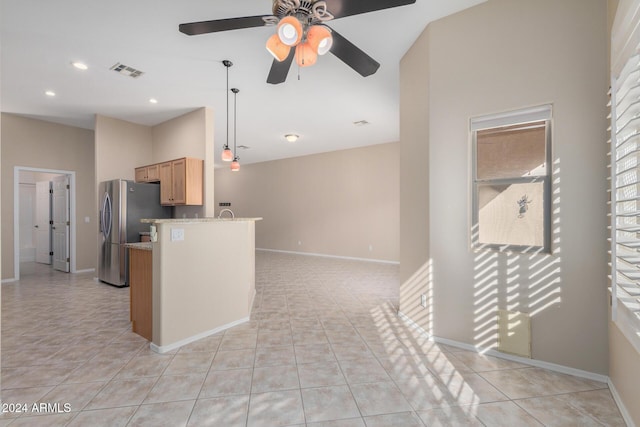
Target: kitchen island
pixel 203 278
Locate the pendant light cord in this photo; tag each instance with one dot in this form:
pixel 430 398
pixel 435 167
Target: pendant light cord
pixel 227 64
pixel 235 120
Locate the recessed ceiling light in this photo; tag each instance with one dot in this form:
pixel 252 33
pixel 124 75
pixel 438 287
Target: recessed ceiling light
pixel 50 93
pixel 153 100
pixel 80 65
pixel 291 137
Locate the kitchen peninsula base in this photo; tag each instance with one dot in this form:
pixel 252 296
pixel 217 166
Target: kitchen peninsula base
pixel 203 278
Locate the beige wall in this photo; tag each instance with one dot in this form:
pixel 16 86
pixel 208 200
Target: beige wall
pixel 190 135
pixel 414 182
pixel 121 146
pixel 203 283
pixel 499 56
pixel 343 203
pixel 37 144
pixel 624 361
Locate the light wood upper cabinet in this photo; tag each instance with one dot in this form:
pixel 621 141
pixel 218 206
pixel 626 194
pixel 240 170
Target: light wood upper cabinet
pixel 181 182
pixel 149 173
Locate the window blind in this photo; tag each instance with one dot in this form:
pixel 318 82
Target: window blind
pixel 625 198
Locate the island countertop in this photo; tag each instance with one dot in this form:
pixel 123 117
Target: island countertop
pixel 194 220
pixel 145 246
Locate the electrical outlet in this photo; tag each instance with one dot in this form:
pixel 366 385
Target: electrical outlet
pixel 177 234
pixel 423 300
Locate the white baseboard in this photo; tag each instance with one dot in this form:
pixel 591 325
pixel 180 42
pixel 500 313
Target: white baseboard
pixel 381 261
pixel 490 352
pixel 174 346
pixel 86 270
pixel 623 409
pixel 11 280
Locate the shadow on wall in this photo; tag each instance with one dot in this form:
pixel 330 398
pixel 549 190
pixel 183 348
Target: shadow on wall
pixel 519 282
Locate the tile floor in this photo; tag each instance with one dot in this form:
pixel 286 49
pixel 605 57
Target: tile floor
pixel 324 347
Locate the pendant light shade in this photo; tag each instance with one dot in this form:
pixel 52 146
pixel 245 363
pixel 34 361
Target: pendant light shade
pixel 290 30
pixel 305 55
pixel 320 39
pixel 235 165
pixel 227 155
pixel 279 50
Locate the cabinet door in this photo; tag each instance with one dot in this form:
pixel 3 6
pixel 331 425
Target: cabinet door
pixel 179 181
pixel 166 183
pixel 140 289
pixel 153 173
pixel 141 174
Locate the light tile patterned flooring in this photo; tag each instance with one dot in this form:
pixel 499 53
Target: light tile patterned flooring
pixel 324 347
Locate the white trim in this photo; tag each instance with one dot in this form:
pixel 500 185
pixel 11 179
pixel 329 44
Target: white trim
pixel 524 115
pixel 11 280
pixel 16 215
pixel 623 409
pixel 176 345
pixel 381 261
pixel 86 270
pixel 489 352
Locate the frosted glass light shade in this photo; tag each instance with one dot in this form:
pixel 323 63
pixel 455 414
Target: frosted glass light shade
pixel 235 165
pixel 320 39
pixel 227 155
pixel 279 50
pixel 290 30
pixel 305 55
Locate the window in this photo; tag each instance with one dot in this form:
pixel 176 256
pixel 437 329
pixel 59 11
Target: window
pixel 625 200
pixel 512 180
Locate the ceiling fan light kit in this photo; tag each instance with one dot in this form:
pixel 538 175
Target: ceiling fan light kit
pixel 305 55
pixel 302 23
pixel 290 30
pixel 279 50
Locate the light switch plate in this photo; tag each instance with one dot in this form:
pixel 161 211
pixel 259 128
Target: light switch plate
pixel 177 234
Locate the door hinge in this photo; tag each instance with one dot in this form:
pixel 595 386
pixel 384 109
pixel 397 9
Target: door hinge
pixel 50 222
pixel 51 191
pixel 68 223
pixel 51 253
pixel 67 186
pixel 67 259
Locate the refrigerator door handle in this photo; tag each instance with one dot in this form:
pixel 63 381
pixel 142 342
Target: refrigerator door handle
pixel 105 216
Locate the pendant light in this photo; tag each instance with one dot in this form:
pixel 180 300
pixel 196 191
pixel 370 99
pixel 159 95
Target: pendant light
pixel 227 155
pixel 235 165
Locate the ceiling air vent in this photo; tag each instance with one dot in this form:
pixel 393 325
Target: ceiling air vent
pixel 125 70
pixel 243 147
pixel 361 123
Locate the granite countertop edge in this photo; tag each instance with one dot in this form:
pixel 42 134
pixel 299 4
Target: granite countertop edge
pixel 194 220
pixel 145 246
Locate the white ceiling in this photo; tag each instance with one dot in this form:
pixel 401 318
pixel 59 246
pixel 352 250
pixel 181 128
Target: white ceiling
pixel 39 40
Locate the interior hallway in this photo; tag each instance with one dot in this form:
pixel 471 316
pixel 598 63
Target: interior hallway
pixel 324 347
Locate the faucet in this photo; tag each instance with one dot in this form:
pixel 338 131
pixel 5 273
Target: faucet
pixel 226 210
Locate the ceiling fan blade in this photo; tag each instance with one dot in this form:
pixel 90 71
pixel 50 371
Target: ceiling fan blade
pixel 204 27
pixel 342 8
pixel 280 70
pixel 351 55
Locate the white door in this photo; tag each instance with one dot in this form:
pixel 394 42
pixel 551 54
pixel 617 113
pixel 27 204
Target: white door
pixel 43 222
pixel 60 203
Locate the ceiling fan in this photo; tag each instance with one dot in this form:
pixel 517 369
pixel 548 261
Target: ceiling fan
pixel 302 32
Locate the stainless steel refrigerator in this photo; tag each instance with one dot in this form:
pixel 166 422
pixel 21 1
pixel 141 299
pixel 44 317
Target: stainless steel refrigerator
pixel 122 205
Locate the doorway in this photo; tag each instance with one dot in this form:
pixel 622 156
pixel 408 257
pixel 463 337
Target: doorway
pixel 44 219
